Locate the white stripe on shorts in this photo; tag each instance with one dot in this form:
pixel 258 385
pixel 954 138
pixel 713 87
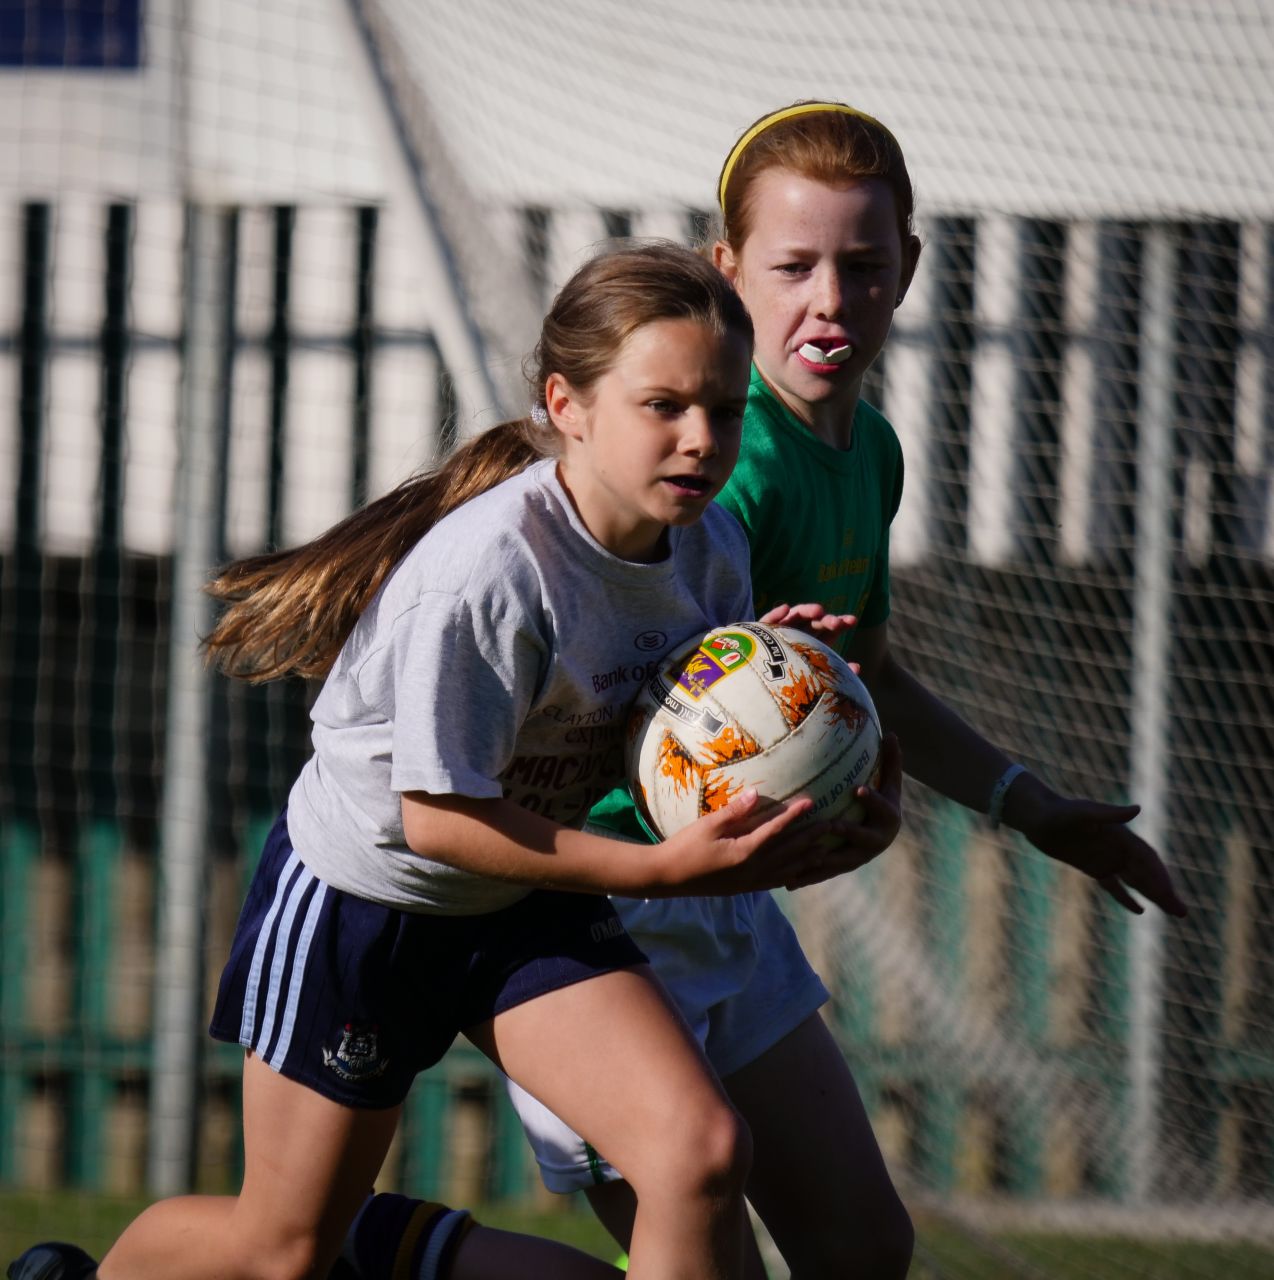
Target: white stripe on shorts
pixel 279 963
pixel 298 976
pixel 253 987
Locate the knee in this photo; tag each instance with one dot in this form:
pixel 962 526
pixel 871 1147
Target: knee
pixel 714 1152
pixel 704 1152
pixel 298 1258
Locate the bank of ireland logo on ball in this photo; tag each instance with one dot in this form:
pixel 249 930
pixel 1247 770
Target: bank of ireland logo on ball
pixel 750 705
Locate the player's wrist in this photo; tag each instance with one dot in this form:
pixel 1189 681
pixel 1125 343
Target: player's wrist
pixel 643 870
pixel 998 798
pixel 1023 801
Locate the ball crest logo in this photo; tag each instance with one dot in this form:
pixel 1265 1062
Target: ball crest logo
pixel 713 661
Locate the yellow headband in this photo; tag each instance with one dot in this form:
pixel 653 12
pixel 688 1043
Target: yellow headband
pixel 775 117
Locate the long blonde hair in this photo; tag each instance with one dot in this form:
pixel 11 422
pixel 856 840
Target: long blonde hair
pixel 289 612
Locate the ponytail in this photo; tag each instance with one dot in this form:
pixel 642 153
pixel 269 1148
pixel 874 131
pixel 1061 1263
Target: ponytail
pixel 289 612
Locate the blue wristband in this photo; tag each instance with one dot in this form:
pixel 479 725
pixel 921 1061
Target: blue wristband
pixel 995 809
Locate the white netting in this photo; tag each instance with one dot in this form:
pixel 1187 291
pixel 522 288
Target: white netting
pixel 383 194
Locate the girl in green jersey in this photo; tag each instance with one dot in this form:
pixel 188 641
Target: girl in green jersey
pixel 817 237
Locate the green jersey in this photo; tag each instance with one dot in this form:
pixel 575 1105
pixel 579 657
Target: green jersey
pixel 817 520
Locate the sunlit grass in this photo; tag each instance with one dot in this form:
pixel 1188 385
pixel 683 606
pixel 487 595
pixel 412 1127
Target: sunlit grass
pixel 944 1252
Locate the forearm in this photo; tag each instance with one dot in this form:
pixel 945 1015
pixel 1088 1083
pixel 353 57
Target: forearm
pixel 944 751
pixel 939 747
pixel 503 841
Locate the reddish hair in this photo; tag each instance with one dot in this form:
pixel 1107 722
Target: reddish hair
pixel 832 146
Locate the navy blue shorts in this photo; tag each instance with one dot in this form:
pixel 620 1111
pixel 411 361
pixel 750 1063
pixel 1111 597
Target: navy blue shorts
pixel 354 999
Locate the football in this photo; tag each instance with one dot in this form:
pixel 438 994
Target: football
pixel 750 705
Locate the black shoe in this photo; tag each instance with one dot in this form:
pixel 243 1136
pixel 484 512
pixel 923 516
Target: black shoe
pixel 52 1261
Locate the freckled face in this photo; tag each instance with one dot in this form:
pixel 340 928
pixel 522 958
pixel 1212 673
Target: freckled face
pixel 655 438
pixel 822 269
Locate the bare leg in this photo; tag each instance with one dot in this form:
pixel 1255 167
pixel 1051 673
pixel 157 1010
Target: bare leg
pixel 616 1206
pixel 819 1181
pixel 307 1165
pixel 627 1075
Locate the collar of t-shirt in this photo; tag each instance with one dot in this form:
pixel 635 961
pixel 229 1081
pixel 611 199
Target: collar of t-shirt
pixel 587 548
pixel 781 419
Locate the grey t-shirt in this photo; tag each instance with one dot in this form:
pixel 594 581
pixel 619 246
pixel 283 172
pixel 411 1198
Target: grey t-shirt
pixel 498 659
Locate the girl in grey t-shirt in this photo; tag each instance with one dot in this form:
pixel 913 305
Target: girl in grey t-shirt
pixel 480 641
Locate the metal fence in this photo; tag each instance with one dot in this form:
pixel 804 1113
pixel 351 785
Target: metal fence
pixel 1083 566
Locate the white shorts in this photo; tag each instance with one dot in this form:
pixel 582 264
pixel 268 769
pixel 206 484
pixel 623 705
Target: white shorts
pixel 735 969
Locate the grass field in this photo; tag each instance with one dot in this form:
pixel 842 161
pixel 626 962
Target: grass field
pixel 943 1252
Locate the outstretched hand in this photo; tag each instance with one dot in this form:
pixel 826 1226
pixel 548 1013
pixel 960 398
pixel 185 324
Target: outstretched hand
pixel 1096 838
pixel 811 618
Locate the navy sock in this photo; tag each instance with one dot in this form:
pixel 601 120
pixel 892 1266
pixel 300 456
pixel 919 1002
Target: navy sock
pixel 397 1235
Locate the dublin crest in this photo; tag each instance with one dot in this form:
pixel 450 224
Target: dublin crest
pixel 358 1057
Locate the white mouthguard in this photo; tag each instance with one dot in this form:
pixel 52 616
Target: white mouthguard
pixel 837 355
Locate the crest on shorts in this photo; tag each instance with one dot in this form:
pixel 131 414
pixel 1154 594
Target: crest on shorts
pixel 358 1057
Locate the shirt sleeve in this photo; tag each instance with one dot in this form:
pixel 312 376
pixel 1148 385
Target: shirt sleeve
pixel 879 606
pixel 456 684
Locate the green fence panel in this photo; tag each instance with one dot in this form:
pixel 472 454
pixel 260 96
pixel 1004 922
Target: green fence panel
pixel 855 1004
pixel 1112 1009
pixel 1033 883
pixel 424 1136
pixel 91 1083
pixel 19 854
pixel 1209 1067
pixel 941 1094
pixel 510 1172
